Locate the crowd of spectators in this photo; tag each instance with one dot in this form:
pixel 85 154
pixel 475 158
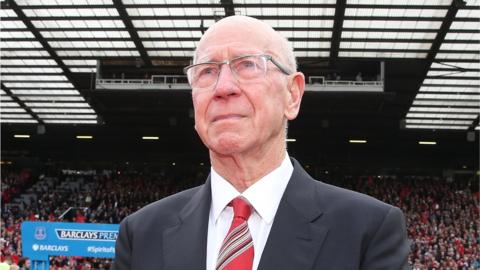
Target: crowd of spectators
pixel 13 183
pixel 442 216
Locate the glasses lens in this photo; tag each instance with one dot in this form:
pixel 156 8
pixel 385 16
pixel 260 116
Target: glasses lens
pixel 249 67
pixel 203 75
pixel 245 69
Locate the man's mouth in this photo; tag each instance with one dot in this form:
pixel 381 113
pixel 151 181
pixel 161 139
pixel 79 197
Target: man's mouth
pixel 227 117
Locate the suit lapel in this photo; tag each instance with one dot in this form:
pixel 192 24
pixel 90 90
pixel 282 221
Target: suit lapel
pixel 185 243
pixel 296 235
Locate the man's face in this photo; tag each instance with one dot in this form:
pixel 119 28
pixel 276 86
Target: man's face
pixel 234 117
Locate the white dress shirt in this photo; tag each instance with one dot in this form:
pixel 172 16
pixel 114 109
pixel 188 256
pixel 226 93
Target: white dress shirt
pixel 264 196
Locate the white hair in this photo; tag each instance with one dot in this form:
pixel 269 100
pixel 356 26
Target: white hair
pixel 286 51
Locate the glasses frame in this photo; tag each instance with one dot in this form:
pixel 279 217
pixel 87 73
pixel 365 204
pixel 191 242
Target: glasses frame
pixel 267 58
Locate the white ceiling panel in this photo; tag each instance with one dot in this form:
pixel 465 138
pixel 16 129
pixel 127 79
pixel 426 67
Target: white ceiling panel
pixel 10 105
pixel 396 12
pixel 87 70
pixel 12 25
pixel 450 89
pixel 468 13
pixel 85 34
pixel 67 116
pixel 20 44
pixel 57 104
pixel 388 35
pixel 96 53
pixel 299 23
pixel 446 80
pixel 305 34
pixel 80 62
pixel 437 127
pixel 462 25
pixel 34 78
pixel 438 121
pixel 442 115
pixel 454 65
pixel 45 92
pixel 311 53
pixel 4 98
pixel 37 85
pixel 71 12
pixel 445 110
pixel 72 24
pixel 392 24
pixel 44 110
pixel 170 44
pixel 461 46
pixel 162 34
pixel 62 2
pixel 71 121
pixel 51 98
pixel 25 54
pixel 400 2
pixel 448 96
pixel 287 11
pixel 140 2
pixel 91 44
pixel 284 1
pixel 175 11
pixel 15 115
pixel 19 121
pixel 170 23
pixel 453 73
pixel 7 13
pixel 29 62
pixel 446 103
pixel 12 110
pixel 462 36
pixel 311 45
pixel 382 54
pixel 16 34
pixel 188 53
pixel 385 45
pixel 6 70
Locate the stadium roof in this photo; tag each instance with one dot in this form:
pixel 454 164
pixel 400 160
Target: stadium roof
pixel 49 48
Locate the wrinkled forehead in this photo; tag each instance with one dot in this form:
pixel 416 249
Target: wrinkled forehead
pixel 228 51
pixel 235 37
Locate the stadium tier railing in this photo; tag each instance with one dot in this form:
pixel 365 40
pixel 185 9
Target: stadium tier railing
pixel 180 82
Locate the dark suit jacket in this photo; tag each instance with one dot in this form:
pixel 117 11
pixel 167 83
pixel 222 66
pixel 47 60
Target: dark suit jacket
pixel 317 226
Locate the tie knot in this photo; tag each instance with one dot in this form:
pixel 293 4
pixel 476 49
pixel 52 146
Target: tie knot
pixel 241 208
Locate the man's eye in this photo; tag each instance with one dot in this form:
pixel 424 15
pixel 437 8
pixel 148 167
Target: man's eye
pixel 247 64
pixel 207 71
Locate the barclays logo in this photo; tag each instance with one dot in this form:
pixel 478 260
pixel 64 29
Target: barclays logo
pixel 40 233
pixel 57 248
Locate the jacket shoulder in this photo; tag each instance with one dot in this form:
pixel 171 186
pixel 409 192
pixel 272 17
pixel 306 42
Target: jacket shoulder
pixel 341 197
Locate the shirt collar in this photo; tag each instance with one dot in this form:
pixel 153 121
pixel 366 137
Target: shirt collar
pixel 264 195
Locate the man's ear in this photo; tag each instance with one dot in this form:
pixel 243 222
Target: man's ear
pixel 296 88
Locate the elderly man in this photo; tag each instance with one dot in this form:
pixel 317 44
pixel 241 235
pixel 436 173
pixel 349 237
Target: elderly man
pixel 258 209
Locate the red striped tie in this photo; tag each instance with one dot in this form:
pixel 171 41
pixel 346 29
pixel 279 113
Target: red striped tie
pixel 236 252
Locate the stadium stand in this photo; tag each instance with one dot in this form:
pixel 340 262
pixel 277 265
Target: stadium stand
pixel 442 216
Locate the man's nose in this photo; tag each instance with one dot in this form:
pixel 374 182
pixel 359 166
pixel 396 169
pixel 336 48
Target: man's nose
pixel 227 84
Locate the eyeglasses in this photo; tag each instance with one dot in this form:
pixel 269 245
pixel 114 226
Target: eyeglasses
pixel 245 68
